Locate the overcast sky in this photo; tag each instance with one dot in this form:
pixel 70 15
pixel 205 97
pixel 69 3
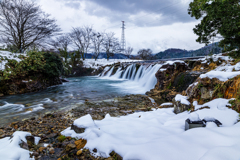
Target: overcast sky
pixel 154 24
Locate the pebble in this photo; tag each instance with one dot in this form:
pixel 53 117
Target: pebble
pixel 79 152
pixel 42 148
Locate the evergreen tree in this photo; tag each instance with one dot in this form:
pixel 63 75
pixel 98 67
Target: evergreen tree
pixel 219 18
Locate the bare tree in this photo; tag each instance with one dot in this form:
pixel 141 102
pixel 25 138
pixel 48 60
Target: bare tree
pixel 23 24
pixel 81 38
pixel 128 51
pixel 61 44
pixel 145 53
pixel 97 42
pixel 111 44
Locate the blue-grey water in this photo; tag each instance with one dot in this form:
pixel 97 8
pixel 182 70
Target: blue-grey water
pixel 65 96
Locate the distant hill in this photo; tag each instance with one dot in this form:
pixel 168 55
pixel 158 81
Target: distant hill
pixel 179 53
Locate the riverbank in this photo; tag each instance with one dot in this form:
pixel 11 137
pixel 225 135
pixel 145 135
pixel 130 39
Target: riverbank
pixel 48 127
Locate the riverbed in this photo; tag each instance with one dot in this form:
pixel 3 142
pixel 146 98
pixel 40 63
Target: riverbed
pixel 61 97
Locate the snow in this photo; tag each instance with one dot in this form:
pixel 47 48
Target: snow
pixel 221 75
pixel 182 99
pixel 8 55
pixel 166 104
pixel 160 134
pixel 194 117
pixel 223 72
pixel 172 62
pixel 194 84
pixel 91 63
pixel 215 58
pixel 10 149
pixel 84 122
pixel 237 66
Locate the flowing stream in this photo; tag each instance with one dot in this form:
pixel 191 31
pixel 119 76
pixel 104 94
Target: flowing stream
pixel 131 80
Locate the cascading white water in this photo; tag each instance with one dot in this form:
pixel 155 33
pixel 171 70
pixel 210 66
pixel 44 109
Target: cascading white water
pixel 104 71
pixel 142 79
pixel 109 73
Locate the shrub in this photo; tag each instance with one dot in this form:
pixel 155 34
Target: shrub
pixel 53 66
pixel 32 66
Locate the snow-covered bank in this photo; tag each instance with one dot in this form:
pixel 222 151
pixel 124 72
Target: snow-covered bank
pixel 91 63
pixel 160 134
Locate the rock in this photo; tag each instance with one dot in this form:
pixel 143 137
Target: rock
pixel 35 154
pixel 30 141
pixel 179 107
pixel 80 143
pixel 79 152
pixel 183 80
pixel 64 80
pixel 1 95
pixel 52 135
pixel 77 129
pixel 206 94
pixel 95 150
pixel 70 147
pixel 24 145
pixel 41 149
pixel 115 156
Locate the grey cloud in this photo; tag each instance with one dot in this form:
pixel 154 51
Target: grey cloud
pixel 73 4
pixel 171 11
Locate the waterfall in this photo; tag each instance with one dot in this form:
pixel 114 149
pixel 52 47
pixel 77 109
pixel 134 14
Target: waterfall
pixel 135 77
pixel 109 73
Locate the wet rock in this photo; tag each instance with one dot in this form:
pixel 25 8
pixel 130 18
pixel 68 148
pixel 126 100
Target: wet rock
pixel 70 147
pixel 41 149
pixel 79 152
pixel 80 143
pixel 52 135
pixel 30 141
pixel 95 150
pixel 24 145
pixel 77 129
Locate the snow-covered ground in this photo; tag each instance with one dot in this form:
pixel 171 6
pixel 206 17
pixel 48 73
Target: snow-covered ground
pixel 103 62
pixel 10 149
pixel 223 72
pixel 160 134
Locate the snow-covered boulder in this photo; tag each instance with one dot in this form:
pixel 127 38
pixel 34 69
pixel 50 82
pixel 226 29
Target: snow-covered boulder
pixel 181 104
